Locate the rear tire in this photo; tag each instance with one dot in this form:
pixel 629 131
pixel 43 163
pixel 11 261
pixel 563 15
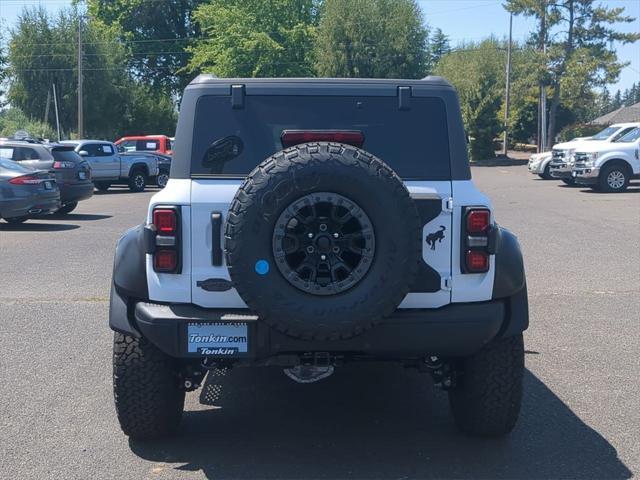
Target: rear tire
pixel 102 186
pixel 149 402
pixel 487 398
pixel 16 220
pixel 67 208
pixel 569 181
pixel 137 181
pixel 614 178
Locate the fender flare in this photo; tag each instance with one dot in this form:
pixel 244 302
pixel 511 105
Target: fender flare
pixel 510 283
pixel 129 280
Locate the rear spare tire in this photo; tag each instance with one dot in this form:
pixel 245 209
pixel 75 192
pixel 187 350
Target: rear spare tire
pixel 322 241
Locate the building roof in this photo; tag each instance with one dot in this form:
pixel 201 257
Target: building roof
pixel 621 115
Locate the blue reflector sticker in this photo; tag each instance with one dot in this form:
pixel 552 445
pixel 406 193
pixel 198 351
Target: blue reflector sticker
pixel 262 267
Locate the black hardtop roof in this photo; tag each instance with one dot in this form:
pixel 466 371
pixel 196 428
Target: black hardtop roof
pixel 208 79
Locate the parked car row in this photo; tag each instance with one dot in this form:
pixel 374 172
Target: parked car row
pixel 38 177
pixel 606 161
pixel 111 165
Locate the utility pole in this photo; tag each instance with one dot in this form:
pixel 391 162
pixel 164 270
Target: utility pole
pixel 46 108
pixel 55 106
pixel 507 89
pixel 80 81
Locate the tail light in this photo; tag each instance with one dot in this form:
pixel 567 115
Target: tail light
pixel 476 240
pixel 164 239
pixel 58 165
pixel 289 138
pixel 30 179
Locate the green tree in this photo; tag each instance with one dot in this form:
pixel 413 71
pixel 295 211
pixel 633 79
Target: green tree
pixel 3 66
pixel 13 119
pixel 438 47
pixel 578 37
pixel 157 34
pixel 371 38
pixel 43 51
pixel 477 72
pixel 255 38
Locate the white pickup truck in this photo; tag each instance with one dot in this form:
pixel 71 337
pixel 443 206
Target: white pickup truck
pixel 561 164
pixel 608 166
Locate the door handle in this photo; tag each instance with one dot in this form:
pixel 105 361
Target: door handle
pixel 216 241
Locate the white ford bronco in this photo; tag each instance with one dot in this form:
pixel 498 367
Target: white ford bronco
pixel 308 223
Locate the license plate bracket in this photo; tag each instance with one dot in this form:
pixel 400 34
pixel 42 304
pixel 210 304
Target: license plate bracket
pixel 217 339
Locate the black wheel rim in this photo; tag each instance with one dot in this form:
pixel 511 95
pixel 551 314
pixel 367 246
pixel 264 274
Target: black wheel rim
pixel 323 243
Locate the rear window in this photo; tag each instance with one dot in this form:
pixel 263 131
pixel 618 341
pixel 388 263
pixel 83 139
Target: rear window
pixel 147 145
pixel 414 142
pixel 66 155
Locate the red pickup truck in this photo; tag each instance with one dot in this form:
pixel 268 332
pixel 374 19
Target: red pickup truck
pixel 146 143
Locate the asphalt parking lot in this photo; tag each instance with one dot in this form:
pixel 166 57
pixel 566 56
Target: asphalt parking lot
pixel 580 415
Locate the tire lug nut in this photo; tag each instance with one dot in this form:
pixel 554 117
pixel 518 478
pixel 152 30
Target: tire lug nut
pixel 323 227
pixel 336 235
pixel 310 235
pixel 323 257
pixel 336 249
pixel 310 249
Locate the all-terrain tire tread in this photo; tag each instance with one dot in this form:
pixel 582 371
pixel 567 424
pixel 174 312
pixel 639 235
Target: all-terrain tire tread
pixel 148 400
pixel 303 156
pixel 487 399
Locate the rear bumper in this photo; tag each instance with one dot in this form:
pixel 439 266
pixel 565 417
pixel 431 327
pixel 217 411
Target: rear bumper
pixel 76 192
pixel 30 206
pixel 453 330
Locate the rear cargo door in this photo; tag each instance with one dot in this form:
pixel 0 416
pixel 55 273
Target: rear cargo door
pixel 233 133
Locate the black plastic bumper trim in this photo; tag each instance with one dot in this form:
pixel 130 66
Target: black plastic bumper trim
pixel 453 330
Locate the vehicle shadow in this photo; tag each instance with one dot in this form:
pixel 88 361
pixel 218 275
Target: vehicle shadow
pixel 29 226
pixel 81 216
pixel 631 189
pixel 367 422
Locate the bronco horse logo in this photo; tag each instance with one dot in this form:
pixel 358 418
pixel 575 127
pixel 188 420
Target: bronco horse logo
pixel 436 236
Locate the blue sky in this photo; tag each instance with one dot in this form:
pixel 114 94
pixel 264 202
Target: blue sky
pixel 460 19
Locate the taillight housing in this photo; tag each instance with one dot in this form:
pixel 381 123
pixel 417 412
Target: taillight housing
pixel 289 138
pixel 478 221
pixel 29 179
pixel 476 242
pixel 164 239
pixel 59 165
pixel 165 220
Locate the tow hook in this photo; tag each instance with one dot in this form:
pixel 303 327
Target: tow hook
pixel 191 379
pixel 442 372
pixel 313 367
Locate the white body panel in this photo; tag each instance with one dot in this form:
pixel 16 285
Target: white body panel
pixel 166 287
pixel 198 199
pixel 475 287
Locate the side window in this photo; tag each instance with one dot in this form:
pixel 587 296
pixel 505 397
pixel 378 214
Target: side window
pixel 7 152
pixel 128 145
pixel 25 153
pixel 105 150
pixel 91 149
pixel 621 133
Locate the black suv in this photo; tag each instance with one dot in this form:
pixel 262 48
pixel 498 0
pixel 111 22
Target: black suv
pixel 312 222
